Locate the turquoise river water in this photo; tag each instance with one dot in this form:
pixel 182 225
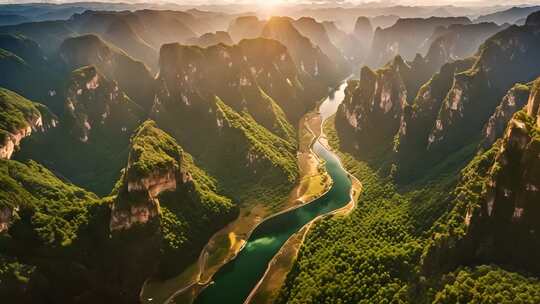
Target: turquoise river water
pixel 234 281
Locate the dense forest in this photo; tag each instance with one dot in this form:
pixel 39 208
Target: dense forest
pixel 150 152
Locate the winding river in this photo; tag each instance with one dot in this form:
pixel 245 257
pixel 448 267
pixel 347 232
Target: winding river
pixel 234 281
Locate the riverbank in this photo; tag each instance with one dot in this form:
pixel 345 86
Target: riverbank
pixel 313 182
pixel 268 287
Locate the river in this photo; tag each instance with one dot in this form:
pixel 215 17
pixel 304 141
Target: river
pixel 235 280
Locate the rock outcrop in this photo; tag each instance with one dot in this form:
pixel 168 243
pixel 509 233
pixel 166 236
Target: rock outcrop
pixel 96 105
pixel 6 216
pixel 166 197
pixel 503 60
pixel 18 118
pixel 257 75
pixel 514 100
pixel 406 38
pixel 113 63
pixel 151 170
pixel 363 30
pixel 314 65
pixel 210 39
pixel 374 105
pixel 505 227
pixel 245 27
pixel 318 35
pixel 458 41
pixel 419 115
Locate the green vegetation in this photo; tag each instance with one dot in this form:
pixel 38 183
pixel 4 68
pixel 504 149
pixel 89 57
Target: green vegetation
pixel 378 253
pixel 153 150
pixel 14 276
pixel 56 209
pixel 487 285
pixel 189 214
pixel 279 152
pixel 281 126
pixel 372 253
pixel 16 112
pixel 6 55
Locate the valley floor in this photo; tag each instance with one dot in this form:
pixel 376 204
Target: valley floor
pixel 229 241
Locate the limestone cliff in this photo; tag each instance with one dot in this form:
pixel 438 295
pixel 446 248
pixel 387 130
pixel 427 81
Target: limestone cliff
pixel 151 169
pixel 232 106
pixel 406 37
pixel 165 196
pixel 514 100
pixel 95 104
pixel 317 33
pixel 506 224
pixel 111 62
pixel 504 59
pixel 374 105
pixel 419 115
pixel 495 210
pixel 243 76
pixel 19 117
pixel 313 64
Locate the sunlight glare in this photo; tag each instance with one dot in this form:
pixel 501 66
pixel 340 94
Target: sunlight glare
pixel 269 4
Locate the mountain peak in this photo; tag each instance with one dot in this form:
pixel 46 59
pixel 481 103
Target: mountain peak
pixel 533 19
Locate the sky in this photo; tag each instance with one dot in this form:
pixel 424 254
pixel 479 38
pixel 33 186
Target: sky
pixel 336 2
pixel 333 3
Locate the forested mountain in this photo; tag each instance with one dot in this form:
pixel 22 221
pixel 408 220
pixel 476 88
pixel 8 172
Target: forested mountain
pixel 153 205
pixel 148 153
pixel 512 15
pixel 395 40
pixel 458 230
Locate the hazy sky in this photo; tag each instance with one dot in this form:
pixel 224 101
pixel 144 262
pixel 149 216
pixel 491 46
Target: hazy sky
pixel 336 2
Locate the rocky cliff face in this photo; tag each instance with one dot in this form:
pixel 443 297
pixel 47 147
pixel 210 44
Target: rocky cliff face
pixel 233 97
pixel 514 100
pixel 317 33
pixel 504 59
pixel 419 115
pixel 397 39
pixel 363 30
pixel 374 105
pixel 151 169
pixel 313 64
pixel 458 41
pixel 210 39
pixel 506 224
pixel 6 216
pixel 245 27
pixel 96 105
pixel 165 196
pixel 256 75
pixel 18 119
pixel 495 210
pixel 113 63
